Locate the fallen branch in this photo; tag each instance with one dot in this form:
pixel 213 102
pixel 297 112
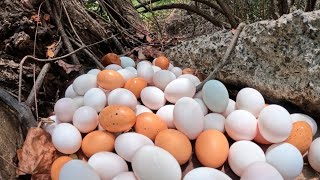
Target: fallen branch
pixel 148 2
pixel 225 58
pixel 228 13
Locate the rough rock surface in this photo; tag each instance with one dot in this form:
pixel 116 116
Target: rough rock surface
pixel 280 58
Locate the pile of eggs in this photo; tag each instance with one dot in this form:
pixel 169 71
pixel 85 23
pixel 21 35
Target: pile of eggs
pixel 145 120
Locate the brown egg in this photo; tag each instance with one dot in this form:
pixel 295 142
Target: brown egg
pixel 135 85
pixel 57 165
pixel 97 141
pixel 300 136
pixel 149 124
pixel 110 79
pixel 212 148
pixel 117 118
pixel 259 138
pixel 175 143
pixel 110 58
pixel 162 62
pixel 188 71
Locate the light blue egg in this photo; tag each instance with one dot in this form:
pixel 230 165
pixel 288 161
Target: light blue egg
pixel 215 95
pixel 127 62
pixel 77 170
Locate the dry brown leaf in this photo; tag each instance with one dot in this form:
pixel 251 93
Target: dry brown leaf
pixel 35 18
pixel 149 39
pixel 150 51
pixel 50 50
pixel 37 155
pixel 51 46
pixel 46 17
pixel 141 56
pixel 50 53
pixel 68 67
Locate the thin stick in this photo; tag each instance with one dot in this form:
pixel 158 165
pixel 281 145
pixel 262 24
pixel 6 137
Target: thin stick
pixel 225 57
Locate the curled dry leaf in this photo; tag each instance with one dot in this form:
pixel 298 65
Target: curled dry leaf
pixel 68 67
pixel 37 154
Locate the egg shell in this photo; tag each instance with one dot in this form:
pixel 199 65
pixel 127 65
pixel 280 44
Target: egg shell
pixel 242 154
pixel 107 164
pixel 70 93
pixel 114 67
pixel 152 162
pixel 110 58
pixel 215 96
pixel 146 72
pixel 126 74
pixel 125 176
pixel 122 96
pixel 203 106
pixel 206 173
pixel 66 138
pixel 250 100
pixel 230 108
pixel 64 109
pixel 188 117
pixel 162 78
pixel 95 98
pixel 117 118
pixel 275 123
pixel 94 71
pixel 132 69
pixel 259 138
pixel 194 79
pixel 83 83
pixel 300 136
pixel 79 170
pixel 156 69
pixel 313 155
pixel 303 117
pixel 176 71
pixel 79 101
pixel 241 125
pixel 166 113
pixel 85 119
pixel 286 158
pixel 179 88
pixel 212 148
pixel 143 63
pixel 214 121
pixel 176 143
pixel 170 67
pixel 198 95
pixel 57 165
pixel 141 109
pixel 135 85
pixel 49 127
pixel 261 171
pixel 153 97
pixel 97 141
pixel 162 62
pixel 127 144
pixel 110 80
pixel 127 62
pixel 149 124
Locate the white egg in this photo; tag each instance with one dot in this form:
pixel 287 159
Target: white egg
pixel 214 121
pixel 94 71
pixel 121 96
pixel 303 117
pixel 154 61
pixel 156 68
pixel 84 82
pixel 275 123
pixel 125 176
pixel 152 97
pixel 127 62
pixel 145 71
pixel 215 95
pixel 49 127
pixel 314 155
pixel 66 138
pixel 170 67
pixel 79 101
pixel 107 164
pixel 64 109
pixel 95 98
pixel 203 106
pixel 133 70
pixel 188 117
pixel 250 100
pixel 143 63
pixel 141 109
pixel 286 158
pixel 127 144
pixel 70 92
pixel 242 154
pixel 152 162
pixel 77 170
pixel 198 95
pixel 166 113
pixel 176 71
pixel 127 74
pixel 230 108
pixel 206 173
pixel 115 67
pixel 179 88
pixel 261 171
pixel 85 119
pixel 194 79
pixel 241 125
pixel 162 78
